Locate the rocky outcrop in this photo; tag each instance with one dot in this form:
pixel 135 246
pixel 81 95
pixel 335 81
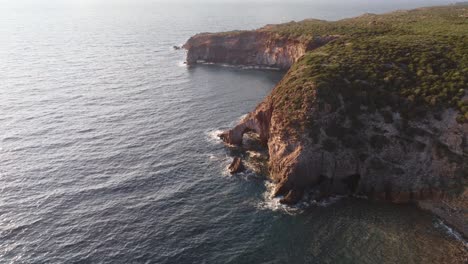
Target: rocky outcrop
pixel 258 122
pixel 236 166
pixel 250 48
pixel 397 161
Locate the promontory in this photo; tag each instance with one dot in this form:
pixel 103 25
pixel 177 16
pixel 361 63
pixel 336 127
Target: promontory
pixel 374 106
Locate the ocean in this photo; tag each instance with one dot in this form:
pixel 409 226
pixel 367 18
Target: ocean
pixel 108 148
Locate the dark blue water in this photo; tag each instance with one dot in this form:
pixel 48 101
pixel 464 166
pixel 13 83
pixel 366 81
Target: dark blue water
pixel 108 150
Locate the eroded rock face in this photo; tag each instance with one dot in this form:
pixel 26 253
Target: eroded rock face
pixel 258 122
pixel 399 161
pixel 236 166
pixel 250 48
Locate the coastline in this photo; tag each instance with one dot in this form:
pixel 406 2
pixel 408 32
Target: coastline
pixel 417 166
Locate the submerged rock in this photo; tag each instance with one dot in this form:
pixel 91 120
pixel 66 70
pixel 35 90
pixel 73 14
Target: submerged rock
pixel 236 166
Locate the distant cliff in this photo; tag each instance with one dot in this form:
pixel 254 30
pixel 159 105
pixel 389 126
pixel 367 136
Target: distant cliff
pixel 250 48
pixel 373 106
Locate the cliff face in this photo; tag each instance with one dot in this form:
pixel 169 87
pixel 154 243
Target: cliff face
pixel 250 48
pixel 391 161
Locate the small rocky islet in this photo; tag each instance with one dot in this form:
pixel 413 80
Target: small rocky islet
pixel 373 106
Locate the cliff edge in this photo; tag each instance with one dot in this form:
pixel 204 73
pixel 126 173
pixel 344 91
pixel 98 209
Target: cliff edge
pixel 251 48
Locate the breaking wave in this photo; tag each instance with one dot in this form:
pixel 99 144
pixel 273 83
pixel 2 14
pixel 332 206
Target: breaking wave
pixel 212 136
pixel 451 232
pixel 269 202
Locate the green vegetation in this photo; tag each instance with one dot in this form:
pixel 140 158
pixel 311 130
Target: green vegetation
pixel 408 62
pixel 445 20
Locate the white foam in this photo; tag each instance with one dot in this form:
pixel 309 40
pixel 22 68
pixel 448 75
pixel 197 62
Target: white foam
pixel 241 67
pixel 225 171
pixel 450 231
pixel 213 157
pixel 238 120
pixel 226 163
pixel 254 154
pixel 182 64
pixel 242 117
pixel 223 161
pixel 180 46
pixel 328 201
pixel 269 202
pixel 259 68
pixel 213 136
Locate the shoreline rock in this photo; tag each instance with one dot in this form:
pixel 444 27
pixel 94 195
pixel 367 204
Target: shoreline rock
pixel 236 166
pixel 452 211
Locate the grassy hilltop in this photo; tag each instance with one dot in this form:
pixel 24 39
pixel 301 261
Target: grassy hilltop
pixel 411 61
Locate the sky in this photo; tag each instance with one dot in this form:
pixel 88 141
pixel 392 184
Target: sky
pixel 429 2
pixel 343 4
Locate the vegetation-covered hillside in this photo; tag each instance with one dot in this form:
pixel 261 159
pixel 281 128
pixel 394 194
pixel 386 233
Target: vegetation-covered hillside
pixel 410 61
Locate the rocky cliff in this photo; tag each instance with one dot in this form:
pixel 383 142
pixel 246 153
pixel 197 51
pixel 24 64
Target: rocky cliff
pixel 250 48
pixel 386 160
pixel 380 111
